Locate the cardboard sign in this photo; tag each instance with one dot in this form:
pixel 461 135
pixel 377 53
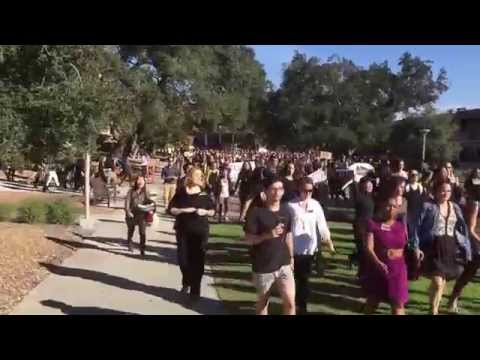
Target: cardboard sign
pixel 360 170
pixel 235 169
pixel 318 176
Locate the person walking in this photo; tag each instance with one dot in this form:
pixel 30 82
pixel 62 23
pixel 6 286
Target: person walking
pixel 191 207
pixel 243 185
pixel 415 195
pixel 398 169
pixel 222 194
pixel 136 197
pixel 289 183
pixel 441 241
pixel 472 186
pixel 308 220
pixel 385 277
pixel 364 209
pixel 268 230
pixel 170 175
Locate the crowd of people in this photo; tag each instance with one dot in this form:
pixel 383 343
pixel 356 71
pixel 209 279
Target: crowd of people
pixel 407 223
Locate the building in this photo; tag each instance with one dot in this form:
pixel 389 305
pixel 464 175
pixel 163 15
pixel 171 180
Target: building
pixel 469 134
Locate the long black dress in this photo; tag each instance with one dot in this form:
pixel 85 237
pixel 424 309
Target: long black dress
pixel 192 233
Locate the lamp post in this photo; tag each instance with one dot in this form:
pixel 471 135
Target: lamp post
pixel 424 133
pixel 220 127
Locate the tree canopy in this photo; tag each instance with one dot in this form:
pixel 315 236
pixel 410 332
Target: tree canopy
pixel 344 107
pixel 55 100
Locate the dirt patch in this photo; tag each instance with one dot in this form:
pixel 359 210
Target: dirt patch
pixel 24 247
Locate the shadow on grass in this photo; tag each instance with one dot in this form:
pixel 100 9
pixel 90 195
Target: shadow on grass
pixel 205 305
pixel 233 275
pixel 82 310
pixel 342 232
pixel 230 237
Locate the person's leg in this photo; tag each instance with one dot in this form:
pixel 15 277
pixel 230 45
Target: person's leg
pixel 286 288
pixel 263 283
pixel 436 292
pixel 55 179
pixel 130 232
pixel 242 206
pixel 197 261
pixel 173 190
pixel 371 305
pixel 302 271
pixel 225 206
pixel 182 258
pixel 248 202
pixel 467 276
pixel 220 208
pixel 397 309
pixel 142 229
pixel 166 195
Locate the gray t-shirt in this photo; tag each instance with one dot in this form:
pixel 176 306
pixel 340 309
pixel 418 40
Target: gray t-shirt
pixel 270 255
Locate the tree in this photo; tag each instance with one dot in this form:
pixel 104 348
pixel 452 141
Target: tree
pixel 61 97
pixel 200 87
pixel 406 140
pixel 346 108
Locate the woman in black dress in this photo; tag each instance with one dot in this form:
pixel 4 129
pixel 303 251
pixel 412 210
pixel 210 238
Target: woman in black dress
pixel 289 183
pixel 243 185
pixel 364 208
pixel 191 207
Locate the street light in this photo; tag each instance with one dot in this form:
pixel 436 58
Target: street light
pixel 424 133
pixel 220 127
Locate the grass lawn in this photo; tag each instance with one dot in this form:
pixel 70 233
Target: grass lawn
pixel 336 293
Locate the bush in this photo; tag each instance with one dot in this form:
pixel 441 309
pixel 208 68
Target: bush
pixel 31 211
pixel 60 212
pixel 7 212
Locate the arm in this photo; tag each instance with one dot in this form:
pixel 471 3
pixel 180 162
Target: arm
pixel 324 230
pixel 253 239
pixel 472 213
pixel 371 253
pixel 207 209
pixel 128 209
pixel 175 209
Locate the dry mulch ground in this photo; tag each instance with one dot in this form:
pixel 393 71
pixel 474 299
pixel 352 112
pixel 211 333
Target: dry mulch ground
pixel 23 247
pixel 20 258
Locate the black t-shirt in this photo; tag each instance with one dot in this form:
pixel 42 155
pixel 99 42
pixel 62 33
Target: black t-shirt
pixel 364 207
pixel 290 187
pixel 270 255
pixel 191 223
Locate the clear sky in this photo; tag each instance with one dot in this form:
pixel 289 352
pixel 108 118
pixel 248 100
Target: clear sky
pixel 461 62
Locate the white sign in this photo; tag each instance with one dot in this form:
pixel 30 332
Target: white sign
pixel 360 170
pixel 318 176
pixel 235 169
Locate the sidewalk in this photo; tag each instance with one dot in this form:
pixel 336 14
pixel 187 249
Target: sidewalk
pixel 103 278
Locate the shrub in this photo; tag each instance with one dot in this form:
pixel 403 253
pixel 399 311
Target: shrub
pixel 7 212
pixel 31 211
pixel 60 212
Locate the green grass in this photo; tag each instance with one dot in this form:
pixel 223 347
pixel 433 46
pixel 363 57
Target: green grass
pixel 336 293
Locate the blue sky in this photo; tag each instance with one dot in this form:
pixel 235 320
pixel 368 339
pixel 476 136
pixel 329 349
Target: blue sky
pixel 462 63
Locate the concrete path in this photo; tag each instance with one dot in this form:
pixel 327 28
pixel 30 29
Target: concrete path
pixel 103 278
